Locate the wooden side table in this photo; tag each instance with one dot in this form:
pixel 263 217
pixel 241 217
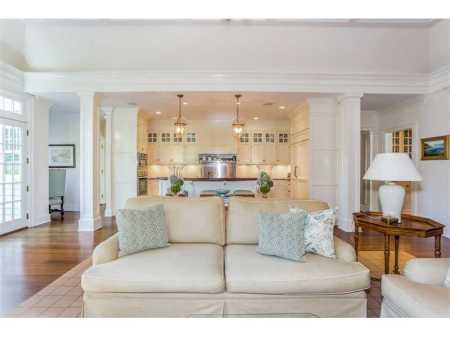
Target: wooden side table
pixel 411 225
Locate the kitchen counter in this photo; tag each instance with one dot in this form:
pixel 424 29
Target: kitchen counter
pixel 215 179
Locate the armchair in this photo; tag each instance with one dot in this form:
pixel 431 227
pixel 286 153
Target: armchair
pixel 420 292
pixel 57 186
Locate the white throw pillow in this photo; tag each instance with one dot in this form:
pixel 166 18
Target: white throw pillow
pixel 319 232
pixel 447 280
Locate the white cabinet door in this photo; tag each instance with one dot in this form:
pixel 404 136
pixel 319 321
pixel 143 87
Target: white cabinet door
pixel 171 153
pixel 154 153
pixel 283 157
pixel 270 154
pixel 244 153
pixel 190 154
pixel 258 153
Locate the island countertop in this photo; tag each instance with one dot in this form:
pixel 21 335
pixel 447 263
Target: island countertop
pixel 214 179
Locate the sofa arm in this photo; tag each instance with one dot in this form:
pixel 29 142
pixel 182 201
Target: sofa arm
pixel 427 271
pixel 106 251
pixel 344 250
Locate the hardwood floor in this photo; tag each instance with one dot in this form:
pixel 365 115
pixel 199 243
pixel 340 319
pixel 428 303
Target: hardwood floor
pixel 32 258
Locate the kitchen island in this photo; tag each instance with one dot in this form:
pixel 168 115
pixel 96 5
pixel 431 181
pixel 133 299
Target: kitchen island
pixel 194 186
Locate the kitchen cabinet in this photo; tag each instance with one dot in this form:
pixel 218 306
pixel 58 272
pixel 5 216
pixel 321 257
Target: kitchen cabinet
pixel 153 153
pixel 141 134
pixel 282 155
pixel 170 153
pixel 153 187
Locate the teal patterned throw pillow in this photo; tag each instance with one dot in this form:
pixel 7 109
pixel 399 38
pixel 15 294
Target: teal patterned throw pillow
pixel 282 235
pixel 141 229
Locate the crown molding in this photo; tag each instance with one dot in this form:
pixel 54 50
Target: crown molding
pixel 439 79
pixel 11 78
pixel 138 81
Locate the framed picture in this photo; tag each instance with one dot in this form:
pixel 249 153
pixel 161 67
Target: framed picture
pixel 61 155
pixel 435 148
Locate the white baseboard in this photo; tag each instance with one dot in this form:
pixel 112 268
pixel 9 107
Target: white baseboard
pixel 89 224
pixel 39 220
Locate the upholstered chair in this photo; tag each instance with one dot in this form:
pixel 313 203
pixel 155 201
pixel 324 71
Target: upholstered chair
pixel 419 292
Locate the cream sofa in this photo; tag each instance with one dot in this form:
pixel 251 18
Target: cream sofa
pixel 420 292
pixel 211 269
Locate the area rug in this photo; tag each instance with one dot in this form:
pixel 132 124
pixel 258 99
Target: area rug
pixel 374 261
pixel 61 298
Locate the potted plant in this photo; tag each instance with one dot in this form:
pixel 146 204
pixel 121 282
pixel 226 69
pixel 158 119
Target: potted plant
pixel 265 183
pixel 175 184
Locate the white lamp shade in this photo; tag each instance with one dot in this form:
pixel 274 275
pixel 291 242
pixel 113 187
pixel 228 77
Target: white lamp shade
pixel 392 167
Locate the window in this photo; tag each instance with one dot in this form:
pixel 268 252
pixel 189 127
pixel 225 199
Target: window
pixel 177 138
pixel 152 137
pixel 257 137
pixel 191 137
pixel 8 104
pixel 165 137
pixel 402 141
pixel 283 137
pixel 270 138
pixel 244 137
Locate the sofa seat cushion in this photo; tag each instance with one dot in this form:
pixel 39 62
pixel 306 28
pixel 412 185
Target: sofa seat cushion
pixel 411 299
pixel 246 271
pixel 189 268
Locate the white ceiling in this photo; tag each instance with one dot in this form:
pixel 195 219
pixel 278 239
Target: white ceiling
pixel 213 105
pixel 210 105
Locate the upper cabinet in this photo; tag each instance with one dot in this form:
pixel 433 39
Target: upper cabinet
pixel 264 147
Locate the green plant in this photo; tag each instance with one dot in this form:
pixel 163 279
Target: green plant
pixel 175 184
pixel 265 183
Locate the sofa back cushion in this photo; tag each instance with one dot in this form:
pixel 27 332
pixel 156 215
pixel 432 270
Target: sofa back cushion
pixel 189 220
pixel 242 227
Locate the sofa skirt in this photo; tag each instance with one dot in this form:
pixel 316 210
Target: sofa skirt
pixel 223 305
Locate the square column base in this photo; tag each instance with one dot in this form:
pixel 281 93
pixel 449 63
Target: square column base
pixel 89 224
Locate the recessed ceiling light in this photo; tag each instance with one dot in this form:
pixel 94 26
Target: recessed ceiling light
pixel 282 107
pixel 158 112
pixel 256 118
pixel 185 103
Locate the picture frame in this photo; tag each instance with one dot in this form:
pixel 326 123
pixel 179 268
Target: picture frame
pixel 61 156
pixel 435 148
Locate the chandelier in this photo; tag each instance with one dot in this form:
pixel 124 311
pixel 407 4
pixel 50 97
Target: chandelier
pixel 237 125
pixel 180 124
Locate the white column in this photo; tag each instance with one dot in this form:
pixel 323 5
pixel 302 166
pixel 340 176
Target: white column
pixel 349 158
pixel 107 112
pixel 323 149
pixel 90 219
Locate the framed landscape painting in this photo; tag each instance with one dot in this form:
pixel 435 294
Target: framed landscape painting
pixel 435 148
pixel 61 155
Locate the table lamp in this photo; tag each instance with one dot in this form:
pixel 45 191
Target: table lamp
pixel 390 167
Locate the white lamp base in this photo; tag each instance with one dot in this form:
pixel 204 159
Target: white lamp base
pixel 391 198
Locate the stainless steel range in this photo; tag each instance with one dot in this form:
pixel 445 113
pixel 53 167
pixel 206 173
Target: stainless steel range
pixel 217 165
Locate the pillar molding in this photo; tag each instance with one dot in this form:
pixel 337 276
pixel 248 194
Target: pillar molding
pixel 349 158
pixel 107 113
pixel 90 219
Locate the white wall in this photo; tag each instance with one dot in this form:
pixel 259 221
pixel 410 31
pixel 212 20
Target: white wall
pixel 64 128
pixel 39 162
pixel 428 116
pixel 440 45
pixel 225 46
pixel 12 42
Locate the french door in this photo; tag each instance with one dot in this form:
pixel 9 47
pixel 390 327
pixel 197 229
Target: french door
pixel 12 175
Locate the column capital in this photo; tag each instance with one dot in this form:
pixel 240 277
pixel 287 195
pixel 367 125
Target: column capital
pixel 350 95
pixel 106 111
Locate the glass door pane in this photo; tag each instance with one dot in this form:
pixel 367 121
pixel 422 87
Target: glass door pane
pixel 12 176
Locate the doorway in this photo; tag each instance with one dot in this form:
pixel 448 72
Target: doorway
pixel 402 141
pixel 366 158
pixel 13 175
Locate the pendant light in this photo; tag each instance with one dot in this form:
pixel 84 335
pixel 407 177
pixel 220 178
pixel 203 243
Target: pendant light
pixel 180 124
pixel 237 125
